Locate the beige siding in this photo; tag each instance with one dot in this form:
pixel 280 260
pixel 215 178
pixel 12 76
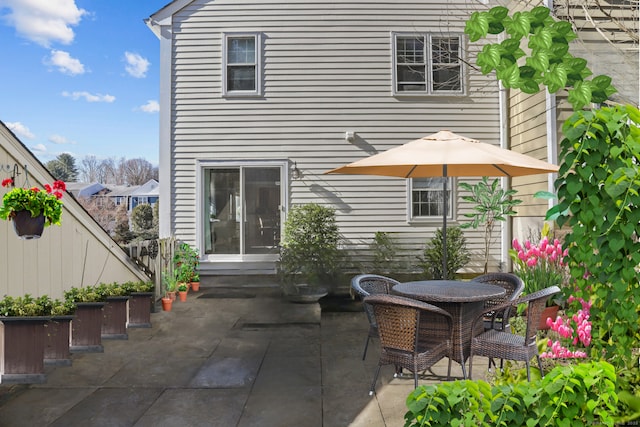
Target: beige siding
pixel 326 70
pixel 77 253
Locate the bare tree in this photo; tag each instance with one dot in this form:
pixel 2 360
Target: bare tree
pixel 108 172
pixel 103 210
pixel 136 171
pixel 90 169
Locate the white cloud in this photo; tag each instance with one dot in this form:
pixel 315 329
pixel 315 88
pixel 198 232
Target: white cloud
pixel 44 21
pixel 137 66
pixel 89 97
pixel 150 107
pixel 65 63
pixel 58 139
pixel 20 130
pixel 39 149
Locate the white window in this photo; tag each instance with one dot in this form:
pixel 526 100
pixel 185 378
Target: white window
pixel 427 201
pixel 428 64
pixel 241 67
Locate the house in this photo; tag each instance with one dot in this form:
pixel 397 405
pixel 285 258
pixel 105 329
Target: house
pixel 74 254
pixel 258 100
pixel 129 195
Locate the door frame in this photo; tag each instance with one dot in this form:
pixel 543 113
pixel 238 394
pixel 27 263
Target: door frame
pixel 201 166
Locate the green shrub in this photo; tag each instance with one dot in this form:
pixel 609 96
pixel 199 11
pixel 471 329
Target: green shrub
pixel 385 251
pixel 457 254
pixel 572 395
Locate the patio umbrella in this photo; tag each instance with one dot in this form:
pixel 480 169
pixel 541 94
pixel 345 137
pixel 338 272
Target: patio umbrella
pixel 446 154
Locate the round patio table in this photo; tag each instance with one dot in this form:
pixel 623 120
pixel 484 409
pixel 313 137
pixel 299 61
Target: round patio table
pixel 463 300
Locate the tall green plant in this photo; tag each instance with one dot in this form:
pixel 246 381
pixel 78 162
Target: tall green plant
pixel 457 254
pixel 492 203
pixel 309 248
pixel 385 251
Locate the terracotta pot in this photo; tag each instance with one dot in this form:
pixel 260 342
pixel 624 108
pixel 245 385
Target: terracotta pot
pixel 182 295
pixel 551 312
pixel 195 286
pixel 166 304
pixel 27 227
pixel 172 295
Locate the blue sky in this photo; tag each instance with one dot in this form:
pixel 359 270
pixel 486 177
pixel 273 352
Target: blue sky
pixel 81 77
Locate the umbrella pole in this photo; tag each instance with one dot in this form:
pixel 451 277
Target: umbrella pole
pixel 444 224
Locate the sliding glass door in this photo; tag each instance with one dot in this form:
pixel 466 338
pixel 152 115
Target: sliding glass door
pixel 242 206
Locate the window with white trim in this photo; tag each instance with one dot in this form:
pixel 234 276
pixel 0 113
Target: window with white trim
pixel 428 64
pixel 241 68
pixel 427 198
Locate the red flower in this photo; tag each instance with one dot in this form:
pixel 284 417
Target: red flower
pixel 59 185
pixel 48 188
pixel 58 194
pixel 7 182
pixel 35 189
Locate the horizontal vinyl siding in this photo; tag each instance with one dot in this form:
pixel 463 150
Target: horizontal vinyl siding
pixel 326 70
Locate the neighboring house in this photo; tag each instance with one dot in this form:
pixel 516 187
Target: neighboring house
pixel 129 195
pixel 608 39
pixel 77 253
pixel 258 100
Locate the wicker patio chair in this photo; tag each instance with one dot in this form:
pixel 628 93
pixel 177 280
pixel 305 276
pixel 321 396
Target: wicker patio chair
pixel 513 286
pixel 406 340
pixel 364 285
pixel 501 344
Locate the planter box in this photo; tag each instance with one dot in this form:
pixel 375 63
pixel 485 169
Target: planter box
pixel 140 305
pixel 57 341
pixel 86 328
pixel 22 349
pixel 115 318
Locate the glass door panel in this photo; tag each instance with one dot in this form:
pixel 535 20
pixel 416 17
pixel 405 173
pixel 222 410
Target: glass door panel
pixel 222 224
pixel 262 207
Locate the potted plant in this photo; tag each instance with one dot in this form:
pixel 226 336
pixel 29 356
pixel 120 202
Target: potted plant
pixel 58 334
pixel 182 292
pixel 310 259
pixel 195 282
pixel 86 329
pixel 541 265
pixel 187 259
pixel 170 282
pixel 116 311
pixel 140 303
pixel 32 209
pixel 22 338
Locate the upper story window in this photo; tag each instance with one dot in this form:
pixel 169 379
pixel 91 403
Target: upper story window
pixel 241 71
pixel 428 64
pixel 427 198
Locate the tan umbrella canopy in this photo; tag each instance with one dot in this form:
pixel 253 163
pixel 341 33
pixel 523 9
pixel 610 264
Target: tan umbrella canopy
pixel 446 154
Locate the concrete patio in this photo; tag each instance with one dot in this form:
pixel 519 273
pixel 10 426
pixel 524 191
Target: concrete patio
pixel 226 357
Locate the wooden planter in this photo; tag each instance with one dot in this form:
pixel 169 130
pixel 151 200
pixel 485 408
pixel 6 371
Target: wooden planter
pixel 115 318
pixel 86 328
pixel 22 349
pixel 57 341
pixel 140 305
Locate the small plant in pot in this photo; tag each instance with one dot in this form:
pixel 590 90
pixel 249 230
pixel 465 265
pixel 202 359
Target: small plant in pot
pixel 182 291
pixel 310 259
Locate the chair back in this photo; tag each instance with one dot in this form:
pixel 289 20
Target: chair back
pixel 364 285
pixel 536 303
pixel 513 285
pixel 401 320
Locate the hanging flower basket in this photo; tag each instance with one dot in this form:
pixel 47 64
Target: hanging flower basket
pixel 32 209
pixel 26 226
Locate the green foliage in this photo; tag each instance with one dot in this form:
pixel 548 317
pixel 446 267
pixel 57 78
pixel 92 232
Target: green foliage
pixel 29 306
pixel 142 218
pixel 182 287
pixel 572 395
pixel 598 185
pixel 492 203
pixel 63 167
pixel 139 286
pixel 457 254
pixel 549 62
pixel 186 261
pixel 385 251
pixel 97 293
pixel 170 281
pixel 309 248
